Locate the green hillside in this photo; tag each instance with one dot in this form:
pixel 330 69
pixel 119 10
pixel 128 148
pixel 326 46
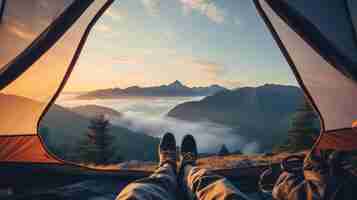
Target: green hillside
pixel 91 111
pixel 64 129
pixel 259 113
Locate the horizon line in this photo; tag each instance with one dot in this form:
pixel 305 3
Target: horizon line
pixel 187 85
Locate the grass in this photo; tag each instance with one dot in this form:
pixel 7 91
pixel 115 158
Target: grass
pixel 211 162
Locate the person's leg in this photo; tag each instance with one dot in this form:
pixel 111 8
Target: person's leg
pixel 162 184
pixel 205 185
pixel 200 183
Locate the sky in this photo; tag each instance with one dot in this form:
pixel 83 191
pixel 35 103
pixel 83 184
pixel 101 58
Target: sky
pixel 199 42
pixel 154 42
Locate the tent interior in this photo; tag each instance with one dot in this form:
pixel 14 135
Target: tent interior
pixel 253 81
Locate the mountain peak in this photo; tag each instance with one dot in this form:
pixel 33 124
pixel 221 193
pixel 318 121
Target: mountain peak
pixel 177 83
pixel 176 88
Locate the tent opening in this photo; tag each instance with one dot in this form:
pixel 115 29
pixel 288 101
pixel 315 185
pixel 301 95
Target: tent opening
pixel 92 84
pixel 193 73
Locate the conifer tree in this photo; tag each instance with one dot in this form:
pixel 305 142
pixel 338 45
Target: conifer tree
pixel 96 147
pixel 223 151
pixel 303 129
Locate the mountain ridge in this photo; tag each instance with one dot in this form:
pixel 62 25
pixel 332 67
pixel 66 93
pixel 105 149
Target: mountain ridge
pixel 92 110
pixel 174 89
pixel 258 113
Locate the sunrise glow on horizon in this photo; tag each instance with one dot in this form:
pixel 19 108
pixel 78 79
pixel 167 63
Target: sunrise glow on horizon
pixel 198 42
pixel 154 42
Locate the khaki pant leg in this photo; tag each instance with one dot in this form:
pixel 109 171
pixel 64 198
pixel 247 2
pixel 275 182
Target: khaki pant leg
pixel 204 185
pixel 161 185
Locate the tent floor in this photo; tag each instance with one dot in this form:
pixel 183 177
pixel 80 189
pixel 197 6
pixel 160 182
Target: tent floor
pixel 64 182
pixel 87 190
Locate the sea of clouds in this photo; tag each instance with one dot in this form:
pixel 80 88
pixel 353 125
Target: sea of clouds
pixel 209 136
pixel 149 116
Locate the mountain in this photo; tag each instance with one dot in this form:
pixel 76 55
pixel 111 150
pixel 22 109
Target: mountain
pixel 66 128
pixel 91 111
pixel 174 89
pixel 258 113
pixel 62 129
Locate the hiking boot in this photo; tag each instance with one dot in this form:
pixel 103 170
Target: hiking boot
pixel 167 150
pixel 188 151
pixel 188 157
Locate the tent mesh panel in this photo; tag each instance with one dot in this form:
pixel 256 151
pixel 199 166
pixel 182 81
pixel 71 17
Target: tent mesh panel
pixel 25 99
pixel 323 57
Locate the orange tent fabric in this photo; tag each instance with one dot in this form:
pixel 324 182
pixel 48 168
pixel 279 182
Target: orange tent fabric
pixel 24 149
pixel 41 41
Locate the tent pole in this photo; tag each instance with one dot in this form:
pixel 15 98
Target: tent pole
pixel 2 9
pixel 348 10
pixel 43 42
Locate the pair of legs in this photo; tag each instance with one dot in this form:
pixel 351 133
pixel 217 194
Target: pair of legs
pixel 190 181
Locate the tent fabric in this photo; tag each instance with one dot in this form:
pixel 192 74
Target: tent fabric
pixel 45 39
pixel 323 59
pixel 344 140
pixel 42 43
pixel 338 47
pixel 21 115
pixel 33 90
pixel 23 22
pixel 24 149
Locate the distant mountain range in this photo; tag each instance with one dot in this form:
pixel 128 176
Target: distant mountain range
pixel 261 114
pixel 174 89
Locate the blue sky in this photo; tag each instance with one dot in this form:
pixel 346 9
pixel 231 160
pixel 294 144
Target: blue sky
pixel 200 42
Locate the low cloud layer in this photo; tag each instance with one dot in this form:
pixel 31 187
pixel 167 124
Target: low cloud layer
pixel 149 116
pixel 210 136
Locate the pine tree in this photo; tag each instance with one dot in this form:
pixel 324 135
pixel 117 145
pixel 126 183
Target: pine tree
pixel 303 129
pixel 223 151
pixel 96 147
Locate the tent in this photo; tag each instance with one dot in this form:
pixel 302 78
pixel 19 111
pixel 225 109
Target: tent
pixel 41 41
pixel 35 36
pixel 319 41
